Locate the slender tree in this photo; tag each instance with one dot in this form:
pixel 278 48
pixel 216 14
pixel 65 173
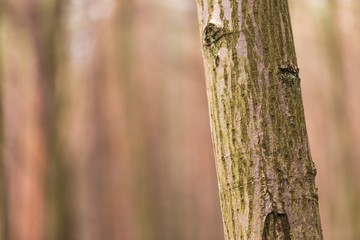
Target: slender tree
pixel 265 172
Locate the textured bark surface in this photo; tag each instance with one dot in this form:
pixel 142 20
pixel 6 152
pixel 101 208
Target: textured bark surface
pixel 265 172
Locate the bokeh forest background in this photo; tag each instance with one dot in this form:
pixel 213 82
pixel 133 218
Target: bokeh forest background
pixel 104 120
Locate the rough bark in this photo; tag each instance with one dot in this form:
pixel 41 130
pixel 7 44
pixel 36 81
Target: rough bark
pixel 265 171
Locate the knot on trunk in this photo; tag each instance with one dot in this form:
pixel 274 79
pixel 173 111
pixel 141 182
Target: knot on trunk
pixel 289 75
pixel 212 33
pixel 276 227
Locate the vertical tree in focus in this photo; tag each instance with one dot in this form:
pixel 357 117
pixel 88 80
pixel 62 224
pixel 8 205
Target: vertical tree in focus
pixel 265 172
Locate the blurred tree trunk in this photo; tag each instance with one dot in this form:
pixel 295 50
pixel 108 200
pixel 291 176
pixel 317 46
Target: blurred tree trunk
pixel 3 212
pixel 141 167
pixel 265 171
pixel 36 194
pixel 345 200
pixel 94 125
pixel 140 72
pixel 29 73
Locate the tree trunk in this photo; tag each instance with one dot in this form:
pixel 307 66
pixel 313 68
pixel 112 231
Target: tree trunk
pixel 265 172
